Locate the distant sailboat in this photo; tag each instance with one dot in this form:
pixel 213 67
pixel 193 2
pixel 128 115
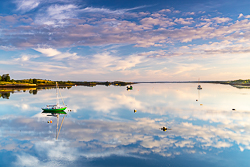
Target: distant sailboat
pixel 199 86
pixel 55 108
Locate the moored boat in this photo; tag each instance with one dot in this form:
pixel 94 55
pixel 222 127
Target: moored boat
pixel 199 86
pixel 55 108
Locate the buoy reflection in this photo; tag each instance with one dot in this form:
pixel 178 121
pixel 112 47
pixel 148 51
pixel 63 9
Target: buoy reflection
pixel 164 128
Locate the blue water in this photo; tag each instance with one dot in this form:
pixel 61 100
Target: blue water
pixel 103 130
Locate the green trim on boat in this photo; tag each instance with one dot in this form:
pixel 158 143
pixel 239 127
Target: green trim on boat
pixel 58 110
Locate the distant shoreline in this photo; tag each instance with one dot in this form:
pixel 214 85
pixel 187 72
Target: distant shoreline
pixel 219 82
pixel 48 83
pixel 233 83
pixel 62 84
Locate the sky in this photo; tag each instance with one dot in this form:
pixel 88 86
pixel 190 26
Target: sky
pixel 126 40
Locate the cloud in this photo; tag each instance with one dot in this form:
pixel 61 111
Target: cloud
pixel 150 22
pixel 108 11
pixel 165 36
pixel 103 135
pixel 48 51
pixel 188 13
pixel 24 58
pixel 165 10
pixel 240 15
pixel 57 15
pixel 184 21
pixel 221 19
pixel 188 67
pixel 55 54
pixel 68 25
pixel 109 65
pixel 114 63
pixel 26 5
pixel 61 15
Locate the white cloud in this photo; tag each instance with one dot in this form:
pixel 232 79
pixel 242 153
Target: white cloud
pixel 105 10
pixel 57 15
pixel 114 63
pixel 221 19
pixel 67 25
pixel 27 5
pixel 184 20
pixel 55 54
pixel 25 58
pixel 50 52
pixel 165 10
pixel 67 28
pixel 163 22
pixel 240 15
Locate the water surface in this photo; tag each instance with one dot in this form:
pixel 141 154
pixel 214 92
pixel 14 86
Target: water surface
pixel 103 130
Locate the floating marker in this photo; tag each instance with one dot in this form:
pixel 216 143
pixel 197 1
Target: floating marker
pixel 51 121
pixel 134 111
pixel 164 128
pixel 196 100
pixel 48 122
pixel 201 104
pixel 233 109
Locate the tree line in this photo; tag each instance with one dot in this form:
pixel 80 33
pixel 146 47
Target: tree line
pixel 5 77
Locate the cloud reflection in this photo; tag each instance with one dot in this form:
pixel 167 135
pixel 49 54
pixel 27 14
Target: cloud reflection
pixel 104 123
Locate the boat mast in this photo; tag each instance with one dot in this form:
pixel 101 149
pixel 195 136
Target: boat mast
pixel 61 97
pixel 57 99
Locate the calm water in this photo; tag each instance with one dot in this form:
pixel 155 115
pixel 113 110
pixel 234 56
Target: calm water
pixel 103 130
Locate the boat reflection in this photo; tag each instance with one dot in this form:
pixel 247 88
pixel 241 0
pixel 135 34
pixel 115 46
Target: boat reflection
pixel 56 114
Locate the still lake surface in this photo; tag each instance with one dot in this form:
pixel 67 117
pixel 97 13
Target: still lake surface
pixel 103 130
